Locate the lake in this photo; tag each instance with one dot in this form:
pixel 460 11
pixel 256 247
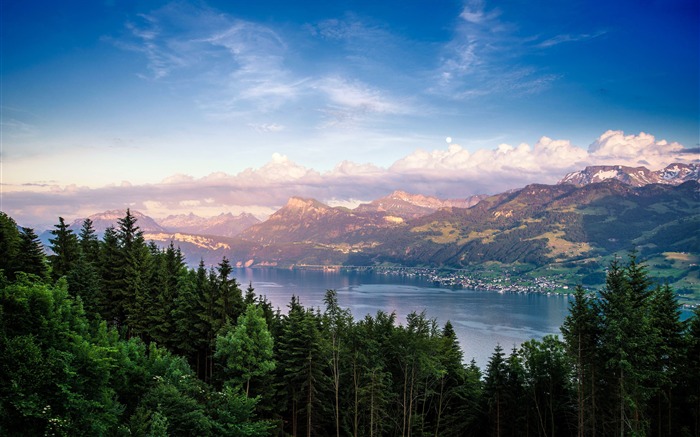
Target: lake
pixel 481 319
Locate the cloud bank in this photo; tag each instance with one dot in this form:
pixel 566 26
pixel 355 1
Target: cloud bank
pixel 453 172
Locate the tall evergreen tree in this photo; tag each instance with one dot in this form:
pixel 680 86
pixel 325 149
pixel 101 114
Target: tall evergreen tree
pixel 547 383
pixel 9 245
pixel 301 365
pixel 627 342
pixel 30 256
pixel 84 281
pixel 132 262
pixel 668 350
pixel 110 276
pixel 690 401
pixel 89 243
pixel 230 297
pixel 336 323
pixel 65 248
pixel 582 330
pixel 494 391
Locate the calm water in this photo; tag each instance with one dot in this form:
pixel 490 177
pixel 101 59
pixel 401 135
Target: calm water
pixel 481 319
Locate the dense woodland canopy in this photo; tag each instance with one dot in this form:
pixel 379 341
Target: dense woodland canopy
pixel 118 337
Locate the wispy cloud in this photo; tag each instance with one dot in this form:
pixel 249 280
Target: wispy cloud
pixel 474 12
pixel 486 56
pixel 566 38
pixel 233 63
pixel 147 35
pixel 13 128
pixel 243 68
pixel 350 101
pixel 267 127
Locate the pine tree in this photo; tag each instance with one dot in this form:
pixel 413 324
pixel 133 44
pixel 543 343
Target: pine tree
pixel 65 248
pixel 668 348
pixel 250 297
pixel 200 319
pixel 494 391
pixel 547 381
pixel 336 323
pixel 627 342
pixel 514 396
pixel 132 270
pixel 451 380
pixel 30 255
pixel 691 375
pixel 300 360
pixel 84 281
pixel 581 331
pixel 230 298
pixel 9 245
pixel 185 338
pixel 111 277
pixel 89 243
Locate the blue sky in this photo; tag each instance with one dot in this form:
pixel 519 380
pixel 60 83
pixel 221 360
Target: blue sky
pixel 171 107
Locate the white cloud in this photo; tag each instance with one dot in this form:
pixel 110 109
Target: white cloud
pixel 642 149
pixel 267 127
pixel 450 172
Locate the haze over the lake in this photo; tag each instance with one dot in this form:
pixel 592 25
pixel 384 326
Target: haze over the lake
pixel 210 107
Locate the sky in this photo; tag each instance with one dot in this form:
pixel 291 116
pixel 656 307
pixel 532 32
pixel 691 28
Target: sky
pixel 171 107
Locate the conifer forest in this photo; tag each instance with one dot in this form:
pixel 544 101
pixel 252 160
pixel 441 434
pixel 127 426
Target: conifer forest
pixel 114 336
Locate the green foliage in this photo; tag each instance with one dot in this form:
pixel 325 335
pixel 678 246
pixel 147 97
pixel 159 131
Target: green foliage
pixel 66 251
pixel 30 255
pixel 132 342
pixel 246 349
pixel 9 245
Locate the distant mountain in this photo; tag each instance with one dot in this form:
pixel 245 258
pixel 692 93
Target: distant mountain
pixel 408 206
pixel 210 249
pixel 673 174
pixel 225 225
pixel 101 221
pixel 579 227
pixel 308 220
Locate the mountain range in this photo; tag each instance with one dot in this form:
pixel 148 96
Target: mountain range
pixel 673 174
pixel 576 226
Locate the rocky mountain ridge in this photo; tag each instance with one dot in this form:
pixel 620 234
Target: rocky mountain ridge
pixel 579 222
pixel 673 174
pixel 225 224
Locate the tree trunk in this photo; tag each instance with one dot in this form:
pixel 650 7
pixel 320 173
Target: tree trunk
pixel 355 384
pixel 439 408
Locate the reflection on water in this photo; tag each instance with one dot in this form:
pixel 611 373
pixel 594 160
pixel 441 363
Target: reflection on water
pixel 481 319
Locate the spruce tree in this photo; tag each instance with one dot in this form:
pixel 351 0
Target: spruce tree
pixel 30 255
pixel 582 330
pixel 301 366
pixel 111 277
pixel 65 248
pixel 691 376
pixel 9 245
pixel 336 322
pixel 89 243
pixel 132 270
pixel 667 349
pixel 230 297
pixel 495 381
